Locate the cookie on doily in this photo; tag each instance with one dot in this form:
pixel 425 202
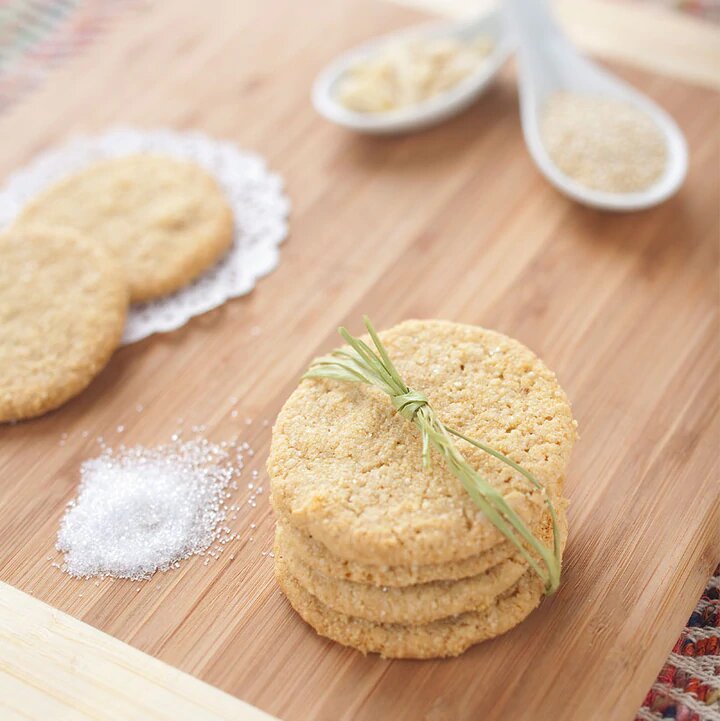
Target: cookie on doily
pixel 255 196
pixel 63 303
pixel 166 220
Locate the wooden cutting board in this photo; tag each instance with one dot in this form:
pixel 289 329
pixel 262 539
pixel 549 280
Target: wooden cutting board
pixel 454 222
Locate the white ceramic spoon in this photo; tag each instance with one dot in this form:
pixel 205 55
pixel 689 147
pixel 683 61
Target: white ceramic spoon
pixel 431 111
pixel 549 63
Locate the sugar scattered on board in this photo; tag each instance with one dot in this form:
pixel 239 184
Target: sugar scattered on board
pixel 140 510
pixel 603 143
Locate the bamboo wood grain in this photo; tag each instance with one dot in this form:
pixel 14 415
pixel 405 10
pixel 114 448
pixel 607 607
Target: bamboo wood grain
pixel 86 674
pixel 454 222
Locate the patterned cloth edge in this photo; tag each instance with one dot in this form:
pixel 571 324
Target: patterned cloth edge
pixel 36 36
pixel 688 685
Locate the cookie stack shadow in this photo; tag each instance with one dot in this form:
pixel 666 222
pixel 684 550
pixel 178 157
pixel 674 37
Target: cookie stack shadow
pixel 380 554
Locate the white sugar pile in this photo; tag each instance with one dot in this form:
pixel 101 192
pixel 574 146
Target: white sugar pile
pixel 140 510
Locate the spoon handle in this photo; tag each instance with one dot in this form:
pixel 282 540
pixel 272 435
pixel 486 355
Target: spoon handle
pixel 536 29
pixel 547 60
pixel 532 18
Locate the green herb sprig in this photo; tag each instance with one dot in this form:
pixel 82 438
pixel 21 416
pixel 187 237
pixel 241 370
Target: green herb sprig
pixel 362 364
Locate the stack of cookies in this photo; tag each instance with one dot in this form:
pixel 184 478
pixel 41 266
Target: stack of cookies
pixel 379 553
pixel 124 230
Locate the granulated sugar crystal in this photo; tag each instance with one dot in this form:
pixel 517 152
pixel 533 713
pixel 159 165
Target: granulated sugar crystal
pixel 140 510
pixel 603 143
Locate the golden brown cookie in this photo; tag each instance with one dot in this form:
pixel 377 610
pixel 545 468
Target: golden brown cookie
pixel 416 604
pixel 447 637
pixel 314 554
pixel 63 302
pixel 347 469
pixel 166 220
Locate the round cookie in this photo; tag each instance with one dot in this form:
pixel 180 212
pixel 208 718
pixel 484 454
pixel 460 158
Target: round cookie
pixel 165 219
pixel 312 553
pixel 63 303
pixel 345 468
pixel 447 637
pixel 417 604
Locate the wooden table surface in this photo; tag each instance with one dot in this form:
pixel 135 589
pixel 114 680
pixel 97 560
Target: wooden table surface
pixel 454 222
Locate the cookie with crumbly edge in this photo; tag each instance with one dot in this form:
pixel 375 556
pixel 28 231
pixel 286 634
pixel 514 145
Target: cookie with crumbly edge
pixel 416 604
pixel 449 636
pixel 63 303
pixel 314 554
pixel 345 468
pixel 166 220
pixel 446 637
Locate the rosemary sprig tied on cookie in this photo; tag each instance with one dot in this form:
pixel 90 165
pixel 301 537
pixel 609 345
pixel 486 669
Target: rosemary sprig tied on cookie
pixel 362 364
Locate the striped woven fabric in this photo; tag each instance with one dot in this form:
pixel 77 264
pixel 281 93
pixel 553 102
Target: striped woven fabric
pixel 36 35
pixel 688 686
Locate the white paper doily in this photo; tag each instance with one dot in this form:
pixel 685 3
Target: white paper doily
pixel 256 197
